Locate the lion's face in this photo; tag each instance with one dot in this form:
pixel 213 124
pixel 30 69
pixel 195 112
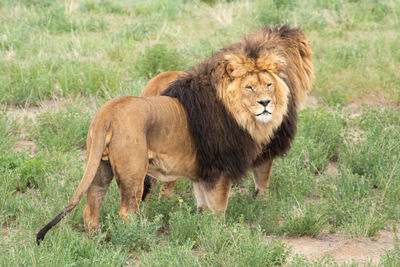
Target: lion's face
pixel 254 94
pixel 258 96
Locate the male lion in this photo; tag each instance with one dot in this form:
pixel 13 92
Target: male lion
pixel 297 73
pixel 211 125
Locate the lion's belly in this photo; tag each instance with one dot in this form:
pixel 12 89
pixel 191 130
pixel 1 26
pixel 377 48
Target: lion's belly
pixel 168 168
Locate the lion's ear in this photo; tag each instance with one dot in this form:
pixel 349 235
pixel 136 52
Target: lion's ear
pixel 234 66
pixel 229 69
pixel 274 67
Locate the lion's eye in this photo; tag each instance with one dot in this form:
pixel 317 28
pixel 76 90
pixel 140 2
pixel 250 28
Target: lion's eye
pixel 250 88
pixel 269 85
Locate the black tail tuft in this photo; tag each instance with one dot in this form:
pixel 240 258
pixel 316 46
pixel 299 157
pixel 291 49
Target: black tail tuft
pixel 44 230
pixel 146 187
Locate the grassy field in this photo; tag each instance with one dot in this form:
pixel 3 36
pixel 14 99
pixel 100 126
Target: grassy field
pixel 60 60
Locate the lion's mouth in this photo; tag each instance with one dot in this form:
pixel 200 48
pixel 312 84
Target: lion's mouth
pixel 264 112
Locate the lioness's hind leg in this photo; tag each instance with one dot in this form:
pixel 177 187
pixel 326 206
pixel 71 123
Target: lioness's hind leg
pixel 131 191
pixel 96 194
pixel 130 171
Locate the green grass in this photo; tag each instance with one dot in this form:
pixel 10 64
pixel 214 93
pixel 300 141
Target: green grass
pixel 79 54
pixel 60 130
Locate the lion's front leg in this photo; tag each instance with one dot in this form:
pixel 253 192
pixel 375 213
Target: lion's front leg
pixel 216 198
pixel 200 197
pixel 262 174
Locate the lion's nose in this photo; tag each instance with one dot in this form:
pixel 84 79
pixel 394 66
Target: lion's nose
pixel 264 102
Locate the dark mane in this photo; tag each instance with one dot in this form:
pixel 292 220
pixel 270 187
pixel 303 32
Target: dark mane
pixel 222 146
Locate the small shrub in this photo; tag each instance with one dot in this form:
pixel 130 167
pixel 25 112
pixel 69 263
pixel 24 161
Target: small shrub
pixel 156 59
pixel 308 220
pixel 31 174
pixel 138 233
pixel 27 172
pixel 11 161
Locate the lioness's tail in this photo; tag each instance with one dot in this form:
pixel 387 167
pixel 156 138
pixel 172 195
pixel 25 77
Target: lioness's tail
pixel 95 151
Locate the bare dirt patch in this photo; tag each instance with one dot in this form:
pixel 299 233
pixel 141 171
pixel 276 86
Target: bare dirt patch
pixel 354 135
pixel 332 168
pixel 343 248
pixel 26 145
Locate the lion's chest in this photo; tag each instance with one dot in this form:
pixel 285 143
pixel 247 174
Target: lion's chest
pixel 169 168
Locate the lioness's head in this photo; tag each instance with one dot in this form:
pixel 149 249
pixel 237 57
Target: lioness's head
pixel 254 94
